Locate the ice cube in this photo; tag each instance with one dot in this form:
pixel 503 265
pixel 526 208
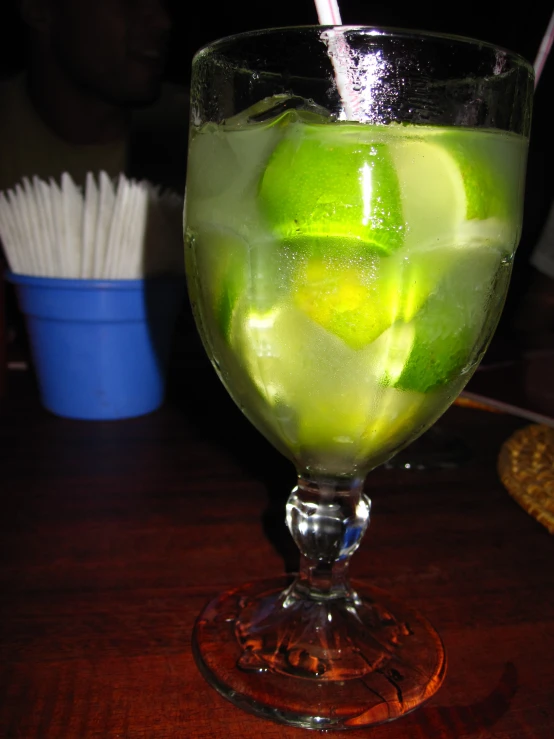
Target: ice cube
pixel 275 106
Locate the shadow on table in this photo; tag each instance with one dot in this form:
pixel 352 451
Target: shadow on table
pixel 451 722
pixel 205 402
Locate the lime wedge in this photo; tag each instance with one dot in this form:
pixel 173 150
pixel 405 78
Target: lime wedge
pixel 358 299
pixel 445 337
pixel 221 272
pixel 487 190
pixel 433 192
pixel 338 296
pixel 333 182
pixel 458 186
pixel 344 199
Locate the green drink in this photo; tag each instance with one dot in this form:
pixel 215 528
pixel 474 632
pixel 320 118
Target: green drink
pixel 346 276
pixel 354 201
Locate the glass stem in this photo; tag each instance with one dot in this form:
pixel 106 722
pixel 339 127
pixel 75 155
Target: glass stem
pixel 327 519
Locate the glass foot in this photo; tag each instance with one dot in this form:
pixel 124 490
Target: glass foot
pixel 334 663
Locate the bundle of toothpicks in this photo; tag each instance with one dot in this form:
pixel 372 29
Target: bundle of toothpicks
pixel 110 229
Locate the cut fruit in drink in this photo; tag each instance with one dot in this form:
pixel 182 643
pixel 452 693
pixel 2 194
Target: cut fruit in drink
pixel 391 353
pixel 221 258
pixel 433 192
pixel 439 352
pixel 317 207
pixel 449 181
pixel 486 186
pixel 424 359
pixel 333 182
pixel 341 299
pixel 436 346
pixel 358 299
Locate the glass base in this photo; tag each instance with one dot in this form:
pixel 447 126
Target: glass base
pixel 334 663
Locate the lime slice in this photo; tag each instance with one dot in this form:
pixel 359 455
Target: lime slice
pixel 358 292
pixel 333 182
pixel 338 296
pixel 441 348
pixel 457 185
pixel 358 299
pixel 445 337
pixel 433 192
pixel 425 359
pixel 488 192
pixel 221 270
pixel 494 177
pixel 391 353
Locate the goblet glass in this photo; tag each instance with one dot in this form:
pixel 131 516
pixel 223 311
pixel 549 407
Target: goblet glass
pixel 354 201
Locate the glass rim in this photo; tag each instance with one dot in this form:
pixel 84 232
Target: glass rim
pixel 370 30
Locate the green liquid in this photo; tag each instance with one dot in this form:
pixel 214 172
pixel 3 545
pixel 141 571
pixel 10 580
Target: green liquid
pixel 346 278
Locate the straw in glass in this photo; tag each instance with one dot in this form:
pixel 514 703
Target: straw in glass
pixel 328 14
pixel 544 50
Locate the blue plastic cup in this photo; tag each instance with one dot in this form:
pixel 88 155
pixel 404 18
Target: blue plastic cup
pixel 100 347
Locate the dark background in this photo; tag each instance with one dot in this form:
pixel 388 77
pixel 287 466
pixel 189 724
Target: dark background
pixel 517 26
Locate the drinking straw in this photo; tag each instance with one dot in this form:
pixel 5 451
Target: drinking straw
pixel 544 50
pixel 328 14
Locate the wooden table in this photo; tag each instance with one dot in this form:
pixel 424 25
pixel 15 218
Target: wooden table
pixel 114 535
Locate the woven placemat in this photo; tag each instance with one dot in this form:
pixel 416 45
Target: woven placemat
pixel 526 467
